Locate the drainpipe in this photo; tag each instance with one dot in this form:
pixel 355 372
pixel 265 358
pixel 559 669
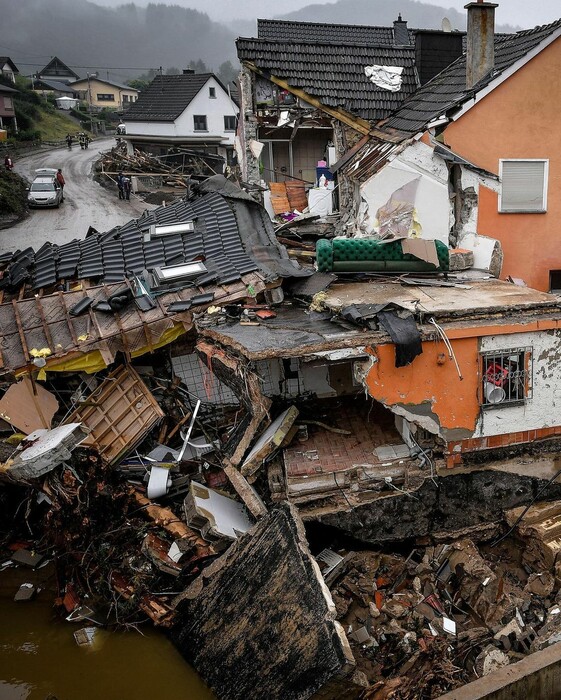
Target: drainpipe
pixel 480 53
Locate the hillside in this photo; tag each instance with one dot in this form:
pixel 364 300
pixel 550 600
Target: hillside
pixel 122 42
pixel 419 15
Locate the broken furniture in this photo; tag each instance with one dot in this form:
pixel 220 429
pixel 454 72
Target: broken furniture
pixel 373 255
pixel 119 414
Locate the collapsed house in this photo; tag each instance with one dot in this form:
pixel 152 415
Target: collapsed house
pixel 315 478
pixel 428 159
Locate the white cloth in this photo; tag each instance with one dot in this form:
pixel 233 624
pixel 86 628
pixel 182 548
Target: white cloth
pixel 386 77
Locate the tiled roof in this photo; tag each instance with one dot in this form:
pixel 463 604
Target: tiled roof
pixel 8 60
pixel 166 97
pixel 324 33
pixel 121 86
pixel 448 89
pixel 334 74
pixel 53 85
pixel 227 246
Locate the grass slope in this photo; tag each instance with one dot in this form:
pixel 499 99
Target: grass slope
pixel 53 126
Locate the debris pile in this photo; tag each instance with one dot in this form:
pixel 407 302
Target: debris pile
pixel 179 396
pixel 174 170
pixel 422 625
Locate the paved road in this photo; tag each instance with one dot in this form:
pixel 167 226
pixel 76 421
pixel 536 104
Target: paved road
pixel 85 202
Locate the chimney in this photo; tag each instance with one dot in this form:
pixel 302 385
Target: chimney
pixel 480 54
pixel 400 32
pixel 434 51
pixel 188 71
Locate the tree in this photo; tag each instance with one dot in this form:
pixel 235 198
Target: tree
pixel 173 71
pixel 199 66
pixel 227 72
pixel 138 84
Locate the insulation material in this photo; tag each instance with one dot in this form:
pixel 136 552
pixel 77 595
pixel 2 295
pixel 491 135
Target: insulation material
pixel 398 217
pixel 387 77
pixel 28 406
pixel 119 414
pixel 215 515
pixel 48 449
pixel 270 440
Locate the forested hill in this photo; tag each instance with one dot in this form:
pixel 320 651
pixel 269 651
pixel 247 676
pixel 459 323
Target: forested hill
pixel 419 15
pixel 126 40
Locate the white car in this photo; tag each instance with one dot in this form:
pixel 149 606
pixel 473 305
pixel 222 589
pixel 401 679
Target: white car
pixel 45 190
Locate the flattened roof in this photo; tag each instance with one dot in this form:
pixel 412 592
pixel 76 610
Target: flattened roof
pixel 334 74
pixel 285 30
pixel 166 97
pixel 448 89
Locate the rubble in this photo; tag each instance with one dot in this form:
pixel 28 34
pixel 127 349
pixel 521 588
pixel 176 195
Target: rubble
pixel 277 465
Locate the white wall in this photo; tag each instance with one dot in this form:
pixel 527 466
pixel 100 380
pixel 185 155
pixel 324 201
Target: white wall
pixel 214 108
pixel 543 409
pixel 432 201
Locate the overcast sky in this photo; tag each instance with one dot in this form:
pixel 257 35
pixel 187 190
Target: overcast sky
pixel 524 13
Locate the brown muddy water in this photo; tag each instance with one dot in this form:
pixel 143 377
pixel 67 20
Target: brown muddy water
pixel 39 659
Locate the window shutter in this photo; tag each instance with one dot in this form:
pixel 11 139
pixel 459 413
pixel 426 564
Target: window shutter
pixel 523 185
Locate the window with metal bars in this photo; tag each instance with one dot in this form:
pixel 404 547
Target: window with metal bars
pixel 506 377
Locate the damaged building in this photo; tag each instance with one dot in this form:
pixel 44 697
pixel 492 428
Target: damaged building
pixel 325 465
pixel 421 157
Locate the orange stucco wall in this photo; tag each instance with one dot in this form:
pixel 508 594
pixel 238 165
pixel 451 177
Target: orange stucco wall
pixel 432 378
pixel 519 119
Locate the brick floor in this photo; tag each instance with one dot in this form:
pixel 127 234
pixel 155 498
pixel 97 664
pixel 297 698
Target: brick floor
pixel 370 423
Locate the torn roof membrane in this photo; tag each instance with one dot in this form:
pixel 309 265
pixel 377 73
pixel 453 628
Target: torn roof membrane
pixel 43 327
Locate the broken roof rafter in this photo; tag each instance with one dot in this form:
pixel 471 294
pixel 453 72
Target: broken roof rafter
pixel 360 125
pixel 334 74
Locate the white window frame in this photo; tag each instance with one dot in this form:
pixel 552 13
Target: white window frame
pixel 543 208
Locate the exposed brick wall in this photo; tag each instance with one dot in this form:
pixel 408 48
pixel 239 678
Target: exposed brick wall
pixel 455 450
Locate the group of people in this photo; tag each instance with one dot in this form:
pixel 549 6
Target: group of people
pixel 83 140
pixel 124 186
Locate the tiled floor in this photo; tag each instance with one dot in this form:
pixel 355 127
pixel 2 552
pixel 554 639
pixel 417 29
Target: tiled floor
pixel 371 426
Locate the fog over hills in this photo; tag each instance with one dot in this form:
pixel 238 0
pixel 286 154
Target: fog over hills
pixel 121 41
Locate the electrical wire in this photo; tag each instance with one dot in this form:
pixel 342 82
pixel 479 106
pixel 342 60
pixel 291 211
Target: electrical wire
pixel 448 344
pixel 519 518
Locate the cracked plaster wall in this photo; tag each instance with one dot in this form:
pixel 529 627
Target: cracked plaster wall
pixel 434 202
pixel 431 201
pixel 543 408
pixel 429 392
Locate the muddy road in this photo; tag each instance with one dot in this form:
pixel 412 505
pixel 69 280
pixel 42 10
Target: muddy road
pixel 85 202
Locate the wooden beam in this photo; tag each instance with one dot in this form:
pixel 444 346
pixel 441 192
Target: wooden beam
pixel 356 123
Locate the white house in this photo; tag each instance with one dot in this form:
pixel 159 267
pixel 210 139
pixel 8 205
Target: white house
pixel 189 111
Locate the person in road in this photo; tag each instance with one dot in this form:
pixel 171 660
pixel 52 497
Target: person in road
pixel 127 186
pixel 120 185
pixel 82 140
pixel 8 162
pixel 68 140
pixel 61 181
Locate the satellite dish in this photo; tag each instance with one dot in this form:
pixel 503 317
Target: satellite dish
pixel 446 25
